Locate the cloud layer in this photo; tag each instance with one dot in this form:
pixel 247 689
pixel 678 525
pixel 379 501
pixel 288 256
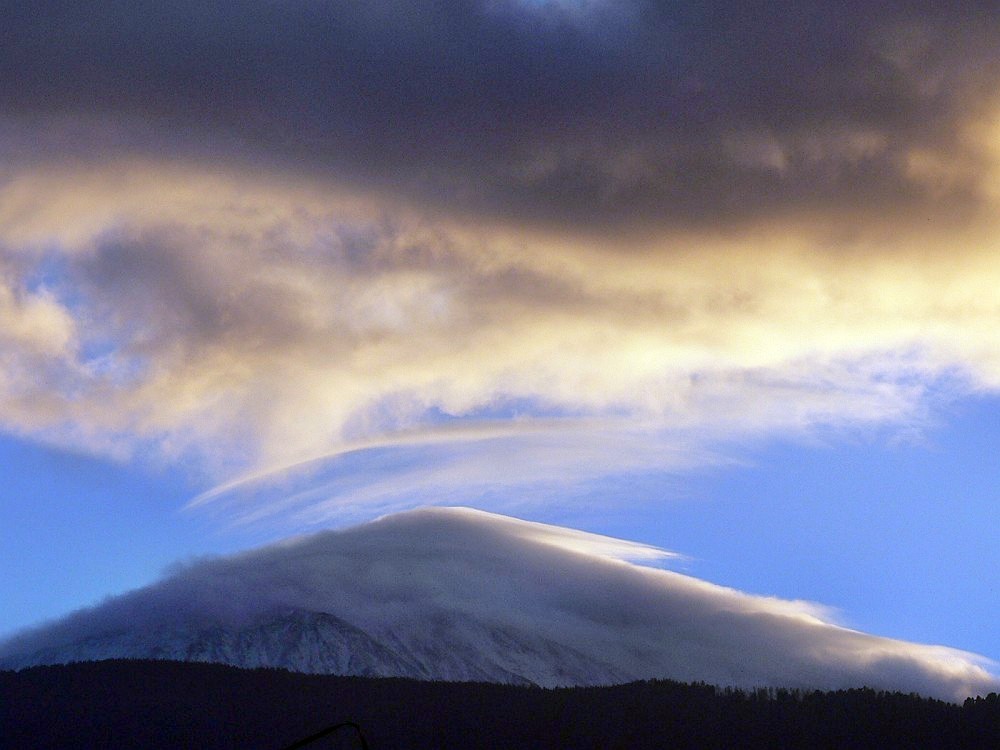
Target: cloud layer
pixel 256 236
pixel 480 582
pixel 554 112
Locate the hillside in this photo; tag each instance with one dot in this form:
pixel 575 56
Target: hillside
pixel 161 704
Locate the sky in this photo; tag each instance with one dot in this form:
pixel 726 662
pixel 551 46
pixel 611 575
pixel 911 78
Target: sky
pixel 717 277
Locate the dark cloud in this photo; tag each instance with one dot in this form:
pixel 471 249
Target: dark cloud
pixel 684 112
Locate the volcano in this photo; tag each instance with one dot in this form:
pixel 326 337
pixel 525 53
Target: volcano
pixel 460 594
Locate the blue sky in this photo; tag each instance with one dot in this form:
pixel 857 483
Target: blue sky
pixel 717 280
pixel 893 534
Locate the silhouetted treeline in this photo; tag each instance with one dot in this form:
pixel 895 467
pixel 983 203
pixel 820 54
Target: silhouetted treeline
pixel 159 704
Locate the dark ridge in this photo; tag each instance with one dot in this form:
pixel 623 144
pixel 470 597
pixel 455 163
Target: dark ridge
pixel 163 704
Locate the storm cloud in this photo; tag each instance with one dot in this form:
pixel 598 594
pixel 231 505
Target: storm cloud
pixel 590 113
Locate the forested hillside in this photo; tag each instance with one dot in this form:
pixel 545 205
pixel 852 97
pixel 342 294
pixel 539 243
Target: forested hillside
pixel 159 704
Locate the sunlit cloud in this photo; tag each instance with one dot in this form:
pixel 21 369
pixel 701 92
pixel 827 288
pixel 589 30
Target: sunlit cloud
pixel 257 324
pixel 647 234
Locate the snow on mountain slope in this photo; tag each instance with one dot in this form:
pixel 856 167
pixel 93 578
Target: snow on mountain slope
pixel 458 594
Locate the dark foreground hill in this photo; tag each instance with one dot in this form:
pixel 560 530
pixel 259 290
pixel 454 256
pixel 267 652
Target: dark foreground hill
pixel 160 704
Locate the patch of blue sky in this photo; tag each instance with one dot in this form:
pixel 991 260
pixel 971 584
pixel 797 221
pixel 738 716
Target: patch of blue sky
pixel 101 354
pixel 51 273
pixel 902 536
pixel 506 408
pixel 104 358
pixel 399 414
pixel 75 528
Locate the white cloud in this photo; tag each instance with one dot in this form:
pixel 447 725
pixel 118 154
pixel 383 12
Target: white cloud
pixel 256 321
pixel 433 576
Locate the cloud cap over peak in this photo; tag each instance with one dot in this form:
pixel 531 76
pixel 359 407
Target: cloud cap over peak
pixel 478 581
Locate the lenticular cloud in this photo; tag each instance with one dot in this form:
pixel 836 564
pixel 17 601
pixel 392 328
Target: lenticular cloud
pixel 458 594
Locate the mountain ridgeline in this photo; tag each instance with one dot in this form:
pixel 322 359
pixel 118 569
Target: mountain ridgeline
pixel 462 595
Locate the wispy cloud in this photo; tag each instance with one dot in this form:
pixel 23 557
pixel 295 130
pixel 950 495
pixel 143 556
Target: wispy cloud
pixel 255 240
pixel 258 325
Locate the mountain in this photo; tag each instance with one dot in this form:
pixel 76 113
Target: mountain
pixel 458 594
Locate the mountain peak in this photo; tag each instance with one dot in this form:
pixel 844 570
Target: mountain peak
pixel 461 594
pixel 462 519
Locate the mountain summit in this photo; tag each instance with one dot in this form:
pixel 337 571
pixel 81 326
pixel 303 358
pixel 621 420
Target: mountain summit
pixel 460 594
